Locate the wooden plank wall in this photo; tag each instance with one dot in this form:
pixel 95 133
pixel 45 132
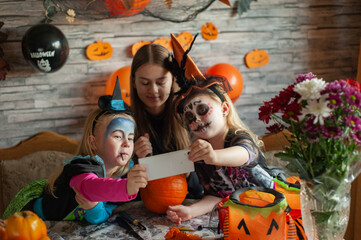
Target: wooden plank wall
pixel 299 35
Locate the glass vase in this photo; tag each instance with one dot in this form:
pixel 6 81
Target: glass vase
pixel 325 210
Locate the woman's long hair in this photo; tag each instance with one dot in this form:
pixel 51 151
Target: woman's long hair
pixel 174 135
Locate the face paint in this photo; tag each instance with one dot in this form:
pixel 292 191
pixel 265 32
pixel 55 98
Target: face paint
pixel 195 110
pixel 120 124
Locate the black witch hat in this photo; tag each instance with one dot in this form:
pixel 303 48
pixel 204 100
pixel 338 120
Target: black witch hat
pixel 190 78
pixel 114 103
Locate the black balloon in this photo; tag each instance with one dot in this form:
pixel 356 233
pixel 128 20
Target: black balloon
pixel 45 47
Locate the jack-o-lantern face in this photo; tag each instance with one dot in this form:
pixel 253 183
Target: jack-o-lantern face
pixel 99 51
pixel 254 213
pixel 256 58
pixel 209 31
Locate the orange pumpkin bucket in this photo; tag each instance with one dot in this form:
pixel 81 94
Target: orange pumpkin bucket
pixel 254 213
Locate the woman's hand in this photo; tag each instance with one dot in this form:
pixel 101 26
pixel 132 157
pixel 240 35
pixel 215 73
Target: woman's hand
pixel 137 178
pixel 82 201
pixel 143 147
pixel 202 150
pixel 179 213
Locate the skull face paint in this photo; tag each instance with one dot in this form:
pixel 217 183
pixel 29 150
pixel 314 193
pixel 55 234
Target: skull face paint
pixel 198 114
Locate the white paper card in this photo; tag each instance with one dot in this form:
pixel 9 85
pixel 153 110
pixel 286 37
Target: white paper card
pixel 167 164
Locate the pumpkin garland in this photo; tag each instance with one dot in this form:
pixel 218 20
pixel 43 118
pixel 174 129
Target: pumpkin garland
pixel 185 39
pixel 23 225
pixel 99 51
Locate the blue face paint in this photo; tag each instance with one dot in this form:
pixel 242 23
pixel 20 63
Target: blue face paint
pixel 120 124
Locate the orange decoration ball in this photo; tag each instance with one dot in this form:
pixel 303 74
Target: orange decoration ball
pixel 124 81
pixel 164 192
pixel 232 74
pixel 119 9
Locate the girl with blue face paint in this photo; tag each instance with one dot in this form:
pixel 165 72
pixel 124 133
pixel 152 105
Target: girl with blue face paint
pixel 102 172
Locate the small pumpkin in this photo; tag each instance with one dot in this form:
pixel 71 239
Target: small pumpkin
pixel 136 46
pixel 99 51
pixel 165 42
pixel 185 39
pixel 3 234
pixel 25 225
pixel 175 233
pixel 209 31
pixel 256 58
pixel 164 192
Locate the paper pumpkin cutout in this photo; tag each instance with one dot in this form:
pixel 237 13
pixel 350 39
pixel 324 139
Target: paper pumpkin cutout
pixel 232 74
pixel 123 8
pixel 209 31
pixel 184 38
pixel 136 46
pixel 124 80
pixel 256 58
pixel 165 42
pixel 99 51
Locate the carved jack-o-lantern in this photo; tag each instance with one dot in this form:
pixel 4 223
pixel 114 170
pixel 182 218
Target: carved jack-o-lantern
pixel 256 58
pixel 99 51
pixel 254 213
pixel 209 31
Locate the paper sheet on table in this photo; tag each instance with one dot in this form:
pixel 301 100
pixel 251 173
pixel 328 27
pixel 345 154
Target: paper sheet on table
pixel 167 164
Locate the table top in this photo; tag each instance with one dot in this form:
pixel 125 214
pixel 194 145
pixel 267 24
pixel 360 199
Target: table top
pixel 157 225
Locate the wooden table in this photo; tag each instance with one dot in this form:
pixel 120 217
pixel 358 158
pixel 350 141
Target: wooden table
pixel 157 225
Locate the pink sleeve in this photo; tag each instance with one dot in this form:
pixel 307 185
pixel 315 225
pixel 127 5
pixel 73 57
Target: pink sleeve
pixel 97 189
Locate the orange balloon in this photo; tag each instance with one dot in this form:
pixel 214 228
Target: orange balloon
pixel 232 74
pixel 124 81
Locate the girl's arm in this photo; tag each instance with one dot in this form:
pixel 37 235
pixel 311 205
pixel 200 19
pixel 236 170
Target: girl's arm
pixel 97 189
pixel 231 157
pixel 181 213
pixel 100 213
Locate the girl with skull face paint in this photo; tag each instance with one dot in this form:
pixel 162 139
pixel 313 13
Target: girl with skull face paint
pixel 226 153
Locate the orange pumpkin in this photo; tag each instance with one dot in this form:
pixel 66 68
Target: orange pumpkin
pixel 99 51
pixel 25 225
pixel 120 8
pixel 3 234
pixel 185 39
pixel 209 31
pixel 136 46
pixel 175 234
pixel 256 58
pixel 165 42
pixel 232 74
pixel 164 192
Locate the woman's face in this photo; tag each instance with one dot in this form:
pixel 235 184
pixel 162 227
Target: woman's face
pixel 153 84
pixel 205 117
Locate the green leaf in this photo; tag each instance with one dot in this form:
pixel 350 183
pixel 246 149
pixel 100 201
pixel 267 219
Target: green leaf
pixel 51 12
